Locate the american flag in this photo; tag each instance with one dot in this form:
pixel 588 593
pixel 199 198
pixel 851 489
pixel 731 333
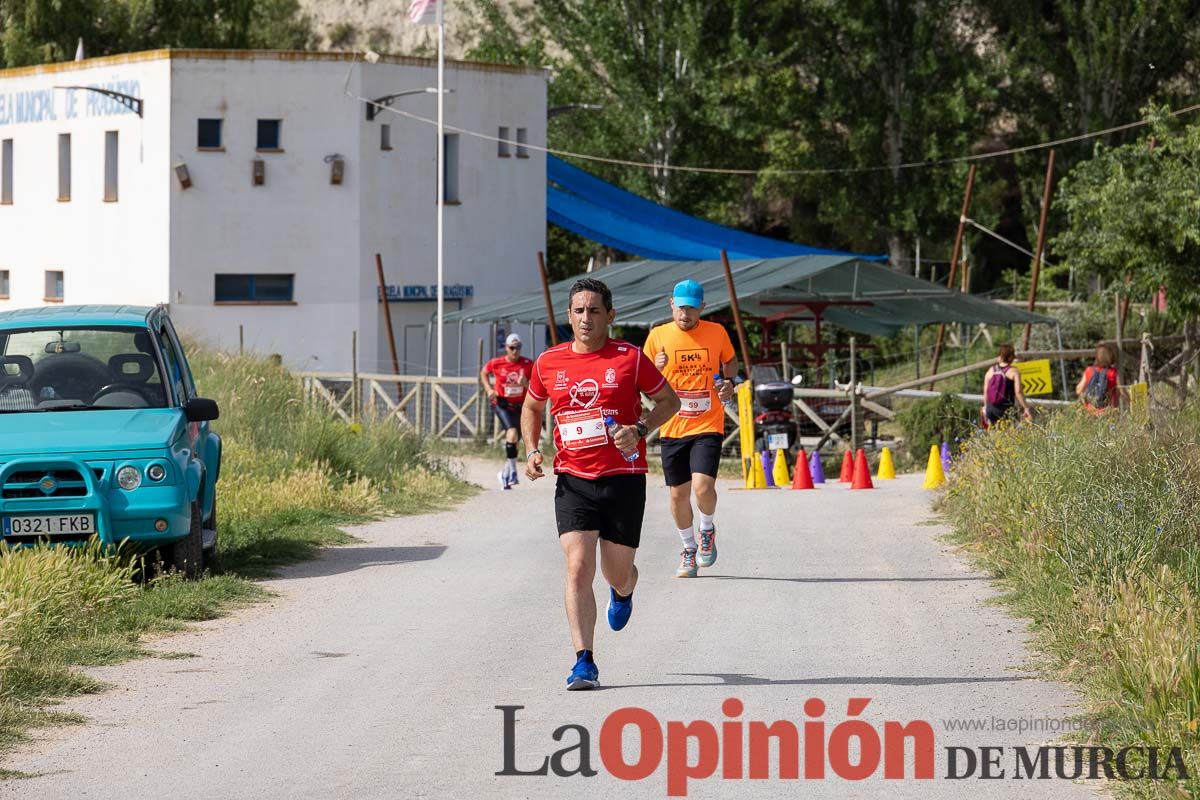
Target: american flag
pixel 423 12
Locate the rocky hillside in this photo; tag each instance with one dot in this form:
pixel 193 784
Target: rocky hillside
pixel 383 26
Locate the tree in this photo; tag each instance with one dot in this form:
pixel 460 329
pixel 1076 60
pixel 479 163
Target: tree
pixel 42 31
pixel 880 83
pixel 1132 214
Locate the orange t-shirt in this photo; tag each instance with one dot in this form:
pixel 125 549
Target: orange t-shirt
pixel 693 357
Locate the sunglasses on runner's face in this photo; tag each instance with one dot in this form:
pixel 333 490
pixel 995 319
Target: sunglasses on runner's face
pixel 514 347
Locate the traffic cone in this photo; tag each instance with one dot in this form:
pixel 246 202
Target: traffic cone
pixel 760 475
pixel 801 476
pixel 768 475
pixel 847 475
pixel 862 472
pixel 934 476
pixel 945 455
pixel 887 470
pixel 780 470
pixel 748 468
pixel 816 468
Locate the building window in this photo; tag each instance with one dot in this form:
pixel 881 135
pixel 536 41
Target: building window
pixel 385 137
pixel 261 288
pixel 110 166
pixel 522 140
pixel 64 167
pixel 54 286
pixel 208 134
pixel 3 284
pixel 502 147
pixel 268 134
pixel 450 171
pixel 6 167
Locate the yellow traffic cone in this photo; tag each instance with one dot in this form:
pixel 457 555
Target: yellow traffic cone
pixel 887 470
pixel 748 469
pixel 760 474
pixel 780 471
pixel 934 476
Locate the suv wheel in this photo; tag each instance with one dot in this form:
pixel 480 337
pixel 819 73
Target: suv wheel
pixel 187 555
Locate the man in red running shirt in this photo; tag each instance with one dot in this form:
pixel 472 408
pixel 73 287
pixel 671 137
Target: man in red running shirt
pixel 595 385
pixel 511 373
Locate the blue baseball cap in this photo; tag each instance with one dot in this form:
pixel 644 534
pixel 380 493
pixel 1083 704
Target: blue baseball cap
pixel 688 293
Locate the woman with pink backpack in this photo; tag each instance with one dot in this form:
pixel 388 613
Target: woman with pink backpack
pixel 1002 389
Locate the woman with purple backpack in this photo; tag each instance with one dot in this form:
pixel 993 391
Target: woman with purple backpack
pixel 1002 388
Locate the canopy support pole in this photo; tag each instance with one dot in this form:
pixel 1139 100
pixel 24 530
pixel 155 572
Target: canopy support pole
pixel 958 240
pixel 1038 253
pixel 541 260
pixel 1062 364
pixel 737 313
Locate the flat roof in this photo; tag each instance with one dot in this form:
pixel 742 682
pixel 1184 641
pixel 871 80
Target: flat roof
pixel 168 54
pixel 75 315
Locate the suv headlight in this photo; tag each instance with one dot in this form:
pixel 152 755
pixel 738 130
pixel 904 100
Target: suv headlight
pixel 129 478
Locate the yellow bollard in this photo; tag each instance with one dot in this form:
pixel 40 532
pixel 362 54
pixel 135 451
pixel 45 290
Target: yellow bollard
pixel 887 470
pixel 779 470
pixel 934 476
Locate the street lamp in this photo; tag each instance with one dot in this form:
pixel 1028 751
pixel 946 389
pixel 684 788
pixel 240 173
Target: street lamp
pixel 374 105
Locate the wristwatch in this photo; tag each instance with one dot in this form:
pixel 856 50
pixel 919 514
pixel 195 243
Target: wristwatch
pixel 642 430
pixel 532 453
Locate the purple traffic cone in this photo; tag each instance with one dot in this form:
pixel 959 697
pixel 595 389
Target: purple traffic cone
pixel 816 468
pixel 945 456
pixel 766 462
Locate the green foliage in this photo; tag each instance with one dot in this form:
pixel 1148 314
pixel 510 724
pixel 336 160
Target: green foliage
pixel 342 35
pixel 1133 213
pixel 1091 524
pixel 38 31
pixel 933 420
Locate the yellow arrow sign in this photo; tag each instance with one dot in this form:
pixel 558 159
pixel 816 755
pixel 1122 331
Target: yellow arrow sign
pixel 1035 376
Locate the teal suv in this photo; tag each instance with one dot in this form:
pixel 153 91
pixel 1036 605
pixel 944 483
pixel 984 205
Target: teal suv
pixel 102 434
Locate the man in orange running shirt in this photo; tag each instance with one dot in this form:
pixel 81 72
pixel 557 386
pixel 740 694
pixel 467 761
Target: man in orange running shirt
pixel 690 352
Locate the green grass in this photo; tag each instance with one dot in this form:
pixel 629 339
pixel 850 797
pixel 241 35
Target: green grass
pixel 292 474
pixel 1091 525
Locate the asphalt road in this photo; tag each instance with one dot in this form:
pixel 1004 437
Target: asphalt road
pixel 377 671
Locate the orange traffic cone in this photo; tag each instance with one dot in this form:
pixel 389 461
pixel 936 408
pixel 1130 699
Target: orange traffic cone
pixel 862 472
pixel 847 469
pixel 801 475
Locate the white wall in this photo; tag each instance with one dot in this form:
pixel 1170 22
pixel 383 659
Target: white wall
pixel 109 252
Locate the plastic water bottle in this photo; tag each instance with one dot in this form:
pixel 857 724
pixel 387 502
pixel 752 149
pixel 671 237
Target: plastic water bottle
pixel 730 405
pixel 611 424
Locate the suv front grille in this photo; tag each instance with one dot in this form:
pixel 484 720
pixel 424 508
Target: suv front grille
pixel 26 484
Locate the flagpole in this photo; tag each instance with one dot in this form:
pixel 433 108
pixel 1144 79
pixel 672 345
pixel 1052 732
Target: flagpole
pixel 441 174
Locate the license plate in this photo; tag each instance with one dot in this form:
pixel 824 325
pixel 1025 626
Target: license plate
pixel 777 441
pixel 83 524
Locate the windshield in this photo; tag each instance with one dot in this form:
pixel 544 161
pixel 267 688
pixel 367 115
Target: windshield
pixel 69 369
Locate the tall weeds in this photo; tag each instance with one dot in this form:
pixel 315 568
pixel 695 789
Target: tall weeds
pixel 1094 524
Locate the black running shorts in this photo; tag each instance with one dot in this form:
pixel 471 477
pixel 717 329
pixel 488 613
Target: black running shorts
pixel 681 458
pixel 508 412
pixel 613 505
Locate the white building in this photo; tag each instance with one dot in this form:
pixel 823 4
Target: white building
pixel 251 193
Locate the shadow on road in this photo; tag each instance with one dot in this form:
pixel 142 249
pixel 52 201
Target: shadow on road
pixel 338 560
pixel 741 679
pixel 931 579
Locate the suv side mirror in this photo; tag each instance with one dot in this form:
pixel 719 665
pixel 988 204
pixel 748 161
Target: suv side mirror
pixel 201 409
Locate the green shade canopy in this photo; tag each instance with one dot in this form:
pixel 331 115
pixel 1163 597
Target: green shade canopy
pixel 877 300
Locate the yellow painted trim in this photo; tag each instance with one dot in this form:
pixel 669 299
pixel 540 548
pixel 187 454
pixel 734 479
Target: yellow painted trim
pixel 252 55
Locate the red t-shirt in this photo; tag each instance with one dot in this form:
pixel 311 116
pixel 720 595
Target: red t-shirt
pixel 510 377
pixel 584 388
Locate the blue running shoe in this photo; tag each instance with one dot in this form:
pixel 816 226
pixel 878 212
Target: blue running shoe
pixel 585 675
pixel 618 610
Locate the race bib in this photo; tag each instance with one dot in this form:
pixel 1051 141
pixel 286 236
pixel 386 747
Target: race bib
pixel 513 390
pixel 694 404
pixel 578 430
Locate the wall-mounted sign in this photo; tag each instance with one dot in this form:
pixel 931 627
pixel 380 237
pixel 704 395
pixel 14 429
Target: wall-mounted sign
pixel 51 105
pixel 416 292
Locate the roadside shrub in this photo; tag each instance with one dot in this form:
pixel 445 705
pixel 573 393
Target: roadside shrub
pixel 933 420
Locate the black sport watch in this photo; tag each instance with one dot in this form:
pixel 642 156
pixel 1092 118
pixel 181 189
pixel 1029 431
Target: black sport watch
pixel 642 430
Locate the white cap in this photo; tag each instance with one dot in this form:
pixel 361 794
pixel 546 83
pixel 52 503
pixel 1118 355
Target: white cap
pixel 513 339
